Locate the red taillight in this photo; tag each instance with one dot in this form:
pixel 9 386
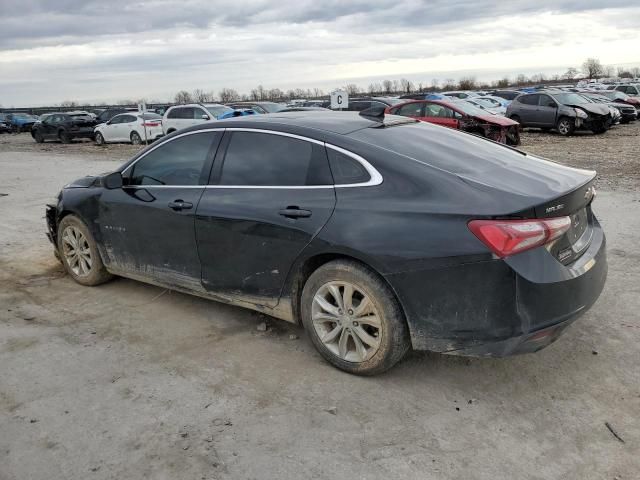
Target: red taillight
pixel 151 124
pixel 508 237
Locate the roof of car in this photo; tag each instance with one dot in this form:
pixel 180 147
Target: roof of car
pixel 341 123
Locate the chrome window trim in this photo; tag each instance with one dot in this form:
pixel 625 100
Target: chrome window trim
pixel 375 178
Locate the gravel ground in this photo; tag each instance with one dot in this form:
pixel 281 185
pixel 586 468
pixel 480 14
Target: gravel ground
pixel 615 155
pixel 129 381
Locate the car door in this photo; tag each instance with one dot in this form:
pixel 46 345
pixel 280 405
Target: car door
pixel 528 109
pixel 49 129
pixel 546 112
pixel 270 194
pixel 147 226
pixel 110 129
pixel 127 125
pixel 440 115
pixel 200 115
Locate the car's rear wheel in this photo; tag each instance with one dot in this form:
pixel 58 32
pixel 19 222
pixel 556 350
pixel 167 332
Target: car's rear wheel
pixel 64 137
pixel 135 138
pixel 99 139
pixel 353 318
pixel 79 252
pixel 37 136
pixel 565 126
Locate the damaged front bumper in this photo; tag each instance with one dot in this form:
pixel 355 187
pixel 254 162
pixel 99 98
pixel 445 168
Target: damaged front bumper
pixel 51 215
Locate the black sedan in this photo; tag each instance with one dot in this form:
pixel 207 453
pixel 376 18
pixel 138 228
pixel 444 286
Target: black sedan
pixel 377 234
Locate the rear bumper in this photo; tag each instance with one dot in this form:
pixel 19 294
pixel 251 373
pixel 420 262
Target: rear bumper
pixel 501 307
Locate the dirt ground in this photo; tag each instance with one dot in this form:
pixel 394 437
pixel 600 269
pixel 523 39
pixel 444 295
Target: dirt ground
pixel 129 381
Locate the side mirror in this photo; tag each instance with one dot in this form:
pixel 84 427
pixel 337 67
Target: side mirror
pixel 205 117
pixel 112 181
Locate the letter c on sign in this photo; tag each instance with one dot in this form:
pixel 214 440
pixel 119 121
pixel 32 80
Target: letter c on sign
pixel 339 99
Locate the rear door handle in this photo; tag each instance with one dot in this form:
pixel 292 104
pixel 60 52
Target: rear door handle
pixel 294 212
pixel 178 205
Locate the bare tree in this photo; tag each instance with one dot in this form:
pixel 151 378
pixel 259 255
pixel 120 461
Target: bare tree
pixel 200 96
pixel 592 68
pixel 635 71
pixel 69 104
pixel 352 89
pixel 396 86
pixel 228 95
pixel 387 85
pixel 503 82
pixel 406 85
pixel 608 71
pixel 467 83
pixel 182 97
pixel 435 84
pixel 521 79
pixel 449 84
pixel 571 73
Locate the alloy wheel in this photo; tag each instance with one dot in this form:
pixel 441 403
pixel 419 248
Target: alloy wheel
pixel 76 251
pixel 346 321
pixel 564 127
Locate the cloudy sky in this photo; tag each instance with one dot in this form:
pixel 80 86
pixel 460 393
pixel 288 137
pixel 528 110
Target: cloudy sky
pixel 90 50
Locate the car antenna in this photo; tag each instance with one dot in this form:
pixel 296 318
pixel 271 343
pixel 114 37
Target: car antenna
pixel 374 113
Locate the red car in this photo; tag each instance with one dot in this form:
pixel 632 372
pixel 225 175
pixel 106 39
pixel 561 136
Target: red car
pixel 461 116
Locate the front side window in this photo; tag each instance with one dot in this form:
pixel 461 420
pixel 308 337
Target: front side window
pixel 438 111
pixel 178 162
pixel 261 159
pixel 529 99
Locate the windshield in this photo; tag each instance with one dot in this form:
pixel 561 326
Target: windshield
pixel 571 98
pixel 218 110
pixel 271 107
pixel 469 109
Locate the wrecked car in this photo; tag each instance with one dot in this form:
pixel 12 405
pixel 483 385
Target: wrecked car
pixel 376 233
pixel 564 111
pixel 64 127
pixel 461 116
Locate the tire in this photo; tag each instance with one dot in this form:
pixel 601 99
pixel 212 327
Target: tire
pixel 367 342
pixel 100 139
pixel 37 136
pixel 135 138
pixel 64 136
pixel 87 269
pixel 170 131
pixel 565 126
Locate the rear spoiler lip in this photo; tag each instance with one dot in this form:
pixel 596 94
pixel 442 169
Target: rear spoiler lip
pixel 569 203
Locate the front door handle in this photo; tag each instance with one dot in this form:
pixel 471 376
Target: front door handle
pixel 178 205
pixel 294 212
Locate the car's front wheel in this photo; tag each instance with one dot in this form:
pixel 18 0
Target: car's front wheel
pixel 99 139
pixel 565 126
pixel 353 318
pixel 79 252
pixel 37 136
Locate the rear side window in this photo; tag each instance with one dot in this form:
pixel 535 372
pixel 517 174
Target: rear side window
pixel 181 113
pixel 529 99
pixel 410 110
pixel 177 162
pixel 262 159
pixel 345 169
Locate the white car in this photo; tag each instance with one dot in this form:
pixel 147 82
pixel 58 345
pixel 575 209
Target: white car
pixel 130 127
pixel 183 116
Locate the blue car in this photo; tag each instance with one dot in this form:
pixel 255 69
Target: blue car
pixel 21 122
pixel 241 112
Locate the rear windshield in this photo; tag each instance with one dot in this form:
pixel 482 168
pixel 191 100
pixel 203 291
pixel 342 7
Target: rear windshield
pixel 440 147
pixel 150 116
pixel 271 107
pixel 468 108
